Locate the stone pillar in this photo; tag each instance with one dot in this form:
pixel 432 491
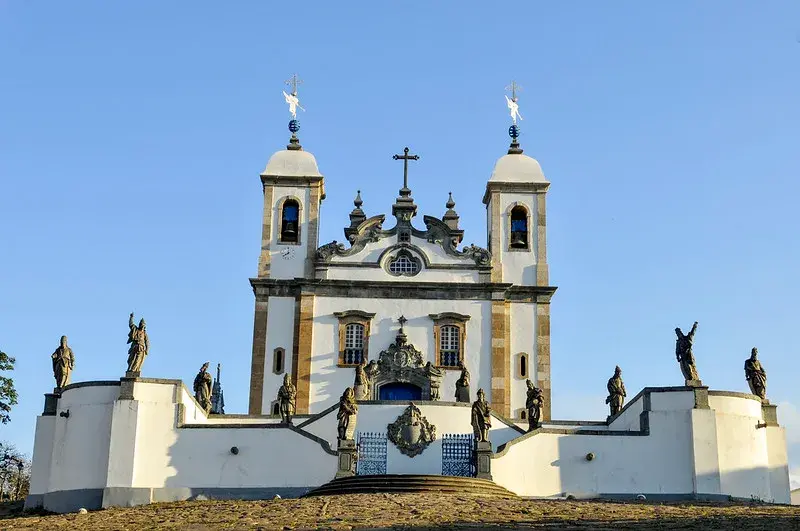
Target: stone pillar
pixel 301 357
pixel 496 232
pixel 483 460
pixel 543 356
pixel 542 271
pixel 265 257
pixel 312 237
pixel 259 358
pixel 501 358
pixel 348 457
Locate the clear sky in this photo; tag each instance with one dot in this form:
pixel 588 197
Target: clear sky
pixel 132 136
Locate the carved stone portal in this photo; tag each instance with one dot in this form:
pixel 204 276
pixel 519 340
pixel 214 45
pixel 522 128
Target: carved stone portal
pixel 411 432
pixel 402 363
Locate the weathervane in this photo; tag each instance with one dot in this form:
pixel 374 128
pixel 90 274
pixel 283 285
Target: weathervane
pixel 513 107
pixel 291 98
pixel 294 104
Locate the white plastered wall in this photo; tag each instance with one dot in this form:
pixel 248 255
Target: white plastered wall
pixel 280 334
pixel 328 381
pixel 523 340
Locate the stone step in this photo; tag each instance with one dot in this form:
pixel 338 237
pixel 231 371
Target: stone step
pixel 411 483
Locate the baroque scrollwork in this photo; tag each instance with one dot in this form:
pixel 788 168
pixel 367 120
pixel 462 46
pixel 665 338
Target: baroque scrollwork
pixel 370 230
pixel 439 232
pixel 411 432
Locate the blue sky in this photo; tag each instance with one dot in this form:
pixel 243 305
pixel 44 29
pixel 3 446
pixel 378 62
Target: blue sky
pixel 132 136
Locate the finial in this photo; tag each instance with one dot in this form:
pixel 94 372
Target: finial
pixel 402 320
pixel 513 107
pixel 358 201
pixel 450 203
pixel 404 208
pixel 294 103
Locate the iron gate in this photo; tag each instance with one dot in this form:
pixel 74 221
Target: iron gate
pixel 458 455
pixel 371 454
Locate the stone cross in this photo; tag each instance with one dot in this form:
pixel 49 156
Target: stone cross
pixel 293 82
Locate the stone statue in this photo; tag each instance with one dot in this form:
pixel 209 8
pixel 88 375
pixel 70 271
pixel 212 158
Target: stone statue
pixel 202 388
pixel 362 385
pixel 434 375
pixel 481 417
pixel 533 403
pixel 287 398
pixel 513 107
pixel 756 375
pixel 616 392
pixel 63 363
pixel 140 345
pixel 683 352
pixel 348 411
pixel 462 385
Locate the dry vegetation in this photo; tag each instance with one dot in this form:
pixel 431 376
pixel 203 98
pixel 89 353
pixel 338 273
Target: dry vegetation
pixel 417 512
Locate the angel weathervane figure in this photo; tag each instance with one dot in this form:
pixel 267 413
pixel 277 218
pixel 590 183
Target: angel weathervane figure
pixel 513 106
pixel 291 98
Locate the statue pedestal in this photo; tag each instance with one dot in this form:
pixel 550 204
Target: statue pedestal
pixel 348 456
pixel 483 460
pixel 50 404
pixel 693 383
pixel 770 413
pixel 133 374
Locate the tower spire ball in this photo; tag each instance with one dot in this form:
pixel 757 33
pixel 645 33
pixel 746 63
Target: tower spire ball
pixel 294 103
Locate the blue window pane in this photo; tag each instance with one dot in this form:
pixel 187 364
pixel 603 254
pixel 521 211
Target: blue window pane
pixel 519 225
pixel 290 213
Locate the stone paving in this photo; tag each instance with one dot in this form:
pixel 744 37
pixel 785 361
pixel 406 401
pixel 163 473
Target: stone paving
pixel 420 512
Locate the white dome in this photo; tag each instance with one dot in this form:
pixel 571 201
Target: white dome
pixel 517 168
pixel 292 163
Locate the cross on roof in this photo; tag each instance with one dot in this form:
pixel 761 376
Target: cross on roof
pixel 513 87
pixel 293 82
pixel 402 319
pixel 405 157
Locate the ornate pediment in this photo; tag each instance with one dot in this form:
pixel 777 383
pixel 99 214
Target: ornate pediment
pixel 370 230
pixel 411 432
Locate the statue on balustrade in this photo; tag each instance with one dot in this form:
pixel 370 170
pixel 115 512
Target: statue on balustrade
pixel 348 411
pixel 287 400
pixel 534 401
pixel 202 388
pixel 683 352
pixel 139 346
pixel 462 385
pixel 616 392
pixel 756 375
pixel 362 386
pixel 435 375
pixel 481 417
pixel 63 363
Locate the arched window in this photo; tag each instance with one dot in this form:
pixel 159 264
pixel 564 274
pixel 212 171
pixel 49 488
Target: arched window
pixel 353 343
pixel 290 227
pixel 523 365
pixel 275 408
pixel 278 360
pixel 519 227
pixel 523 414
pixel 450 345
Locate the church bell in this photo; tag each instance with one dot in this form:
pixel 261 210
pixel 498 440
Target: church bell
pixel 519 239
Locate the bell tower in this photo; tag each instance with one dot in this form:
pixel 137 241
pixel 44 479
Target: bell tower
pixel 516 233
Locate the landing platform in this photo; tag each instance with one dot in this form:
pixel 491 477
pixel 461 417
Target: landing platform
pixel 411 483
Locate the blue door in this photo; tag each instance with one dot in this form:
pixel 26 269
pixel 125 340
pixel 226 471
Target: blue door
pixel 400 391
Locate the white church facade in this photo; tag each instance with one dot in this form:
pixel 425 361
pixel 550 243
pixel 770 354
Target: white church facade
pixel 405 305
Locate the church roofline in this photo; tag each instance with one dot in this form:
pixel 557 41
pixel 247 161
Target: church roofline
pixel 499 186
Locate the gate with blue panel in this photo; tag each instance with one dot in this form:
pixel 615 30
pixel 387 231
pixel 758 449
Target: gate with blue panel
pixel 458 455
pixel 371 454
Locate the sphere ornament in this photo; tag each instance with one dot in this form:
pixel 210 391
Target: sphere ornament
pixel 513 131
pixel 294 126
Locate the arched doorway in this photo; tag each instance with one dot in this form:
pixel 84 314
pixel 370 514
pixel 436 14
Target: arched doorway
pixel 400 391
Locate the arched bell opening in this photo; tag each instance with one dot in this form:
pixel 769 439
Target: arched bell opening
pixel 519 228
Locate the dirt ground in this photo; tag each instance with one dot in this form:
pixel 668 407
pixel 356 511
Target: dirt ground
pixel 418 512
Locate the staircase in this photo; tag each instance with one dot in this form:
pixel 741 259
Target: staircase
pixel 411 483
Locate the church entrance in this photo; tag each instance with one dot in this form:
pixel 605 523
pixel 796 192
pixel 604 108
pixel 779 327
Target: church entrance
pixel 400 391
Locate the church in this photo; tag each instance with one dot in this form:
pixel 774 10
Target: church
pixel 400 353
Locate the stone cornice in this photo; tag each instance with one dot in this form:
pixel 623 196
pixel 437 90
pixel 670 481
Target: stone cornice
pixel 535 188
pixel 268 287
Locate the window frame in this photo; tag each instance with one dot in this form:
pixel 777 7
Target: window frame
pixel 456 320
pixel 353 317
pixel 403 253
pixel 523 358
pixel 277 353
pixel 281 206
